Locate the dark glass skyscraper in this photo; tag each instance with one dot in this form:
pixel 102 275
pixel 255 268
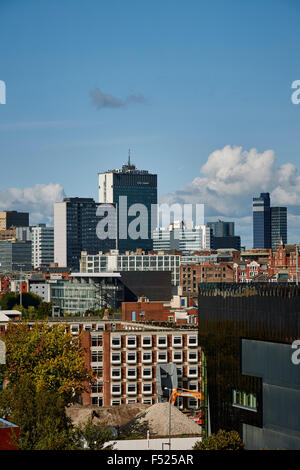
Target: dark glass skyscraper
pixel 278 226
pixel 135 193
pixel 262 221
pixel 221 228
pixel 75 230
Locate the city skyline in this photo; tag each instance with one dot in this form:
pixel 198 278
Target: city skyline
pixel 190 113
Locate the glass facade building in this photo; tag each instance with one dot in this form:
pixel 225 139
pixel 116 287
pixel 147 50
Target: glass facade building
pixel 75 230
pixel 261 221
pixel 135 194
pixel 278 226
pixel 246 333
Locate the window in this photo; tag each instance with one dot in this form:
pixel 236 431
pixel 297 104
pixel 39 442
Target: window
pixel 131 389
pixel 193 356
pixel 177 356
pixel 244 400
pixel 147 401
pixel 161 341
pixel 192 340
pixel 177 341
pixel 147 388
pixel 131 357
pixel 192 371
pixel 147 357
pixel 97 356
pixel 146 341
pixel 192 403
pixel 162 356
pixel 116 402
pixel 74 329
pixel 87 327
pixel 179 371
pixel 147 372
pixel 96 341
pixel 97 387
pixel 131 401
pixel 116 341
pixel 131 373
pixel 116 373
pixel 116 389
pixel 131 341
pixel 98 371
pixel 193 386
pixel 116 358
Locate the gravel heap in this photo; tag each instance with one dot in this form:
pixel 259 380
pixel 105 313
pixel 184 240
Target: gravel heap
pixel 106 415
pixel 156 419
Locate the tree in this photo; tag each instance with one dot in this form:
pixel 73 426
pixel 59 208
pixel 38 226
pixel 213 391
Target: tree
pixel 50 356
pixel 40 416
pixel 10 299
pixel 93 436
pixel 223 440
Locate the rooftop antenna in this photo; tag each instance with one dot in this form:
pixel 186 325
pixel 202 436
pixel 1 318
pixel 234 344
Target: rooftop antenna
pixel 128 157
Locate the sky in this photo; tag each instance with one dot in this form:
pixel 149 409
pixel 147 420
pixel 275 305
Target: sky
pixel 199 90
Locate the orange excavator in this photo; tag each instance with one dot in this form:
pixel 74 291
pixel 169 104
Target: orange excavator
pixel 199 418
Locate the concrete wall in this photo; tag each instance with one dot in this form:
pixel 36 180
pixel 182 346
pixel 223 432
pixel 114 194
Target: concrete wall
pixel 185 443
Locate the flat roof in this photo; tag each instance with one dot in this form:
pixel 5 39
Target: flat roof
pixel 104 274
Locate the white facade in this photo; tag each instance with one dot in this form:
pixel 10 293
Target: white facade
pixel 60 233
pixel 42 239
pixel 186 238
pixel 131 261
pixel 106 187
pixel 42 289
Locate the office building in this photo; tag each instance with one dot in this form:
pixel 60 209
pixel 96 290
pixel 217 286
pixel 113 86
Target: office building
pixel 42 245
pixel 181 237
pixel 278 226
pixel 247 332
pixel 262 221
pixel 230 242
pixel 15 256
pixel 221 228
pixel 125 188
pixel 10 219
pixel 132 261
pixel 75 230
pixel 107 290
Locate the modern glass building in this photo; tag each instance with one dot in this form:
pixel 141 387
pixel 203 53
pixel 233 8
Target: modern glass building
pixel 278 226
pixel 261 221
pixel 132 261
pixel 135 194
pixel 184 239
pixel 75 230
pixel 247 333
pixel 15 256
pixel 221 228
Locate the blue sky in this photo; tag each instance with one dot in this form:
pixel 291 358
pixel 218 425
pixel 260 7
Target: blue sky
pixel 208 74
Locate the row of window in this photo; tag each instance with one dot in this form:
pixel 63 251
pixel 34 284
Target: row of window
pixel 147 357
pixel 146 341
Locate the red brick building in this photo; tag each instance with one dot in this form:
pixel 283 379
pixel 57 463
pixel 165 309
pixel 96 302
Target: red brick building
pixel 7 432
pixel 191 275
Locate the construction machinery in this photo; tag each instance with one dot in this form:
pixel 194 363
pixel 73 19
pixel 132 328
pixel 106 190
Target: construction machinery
pixel 196 416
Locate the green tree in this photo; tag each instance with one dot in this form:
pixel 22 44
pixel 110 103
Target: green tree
pixel 222 440
pixel 40 416
pixel 50 356
pixel 93 436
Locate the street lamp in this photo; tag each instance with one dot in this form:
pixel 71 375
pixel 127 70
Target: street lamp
pixel 170 391
pixel 20 284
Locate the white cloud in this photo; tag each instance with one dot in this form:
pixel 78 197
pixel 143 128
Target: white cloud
pixel 229 180
pixel 37 200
